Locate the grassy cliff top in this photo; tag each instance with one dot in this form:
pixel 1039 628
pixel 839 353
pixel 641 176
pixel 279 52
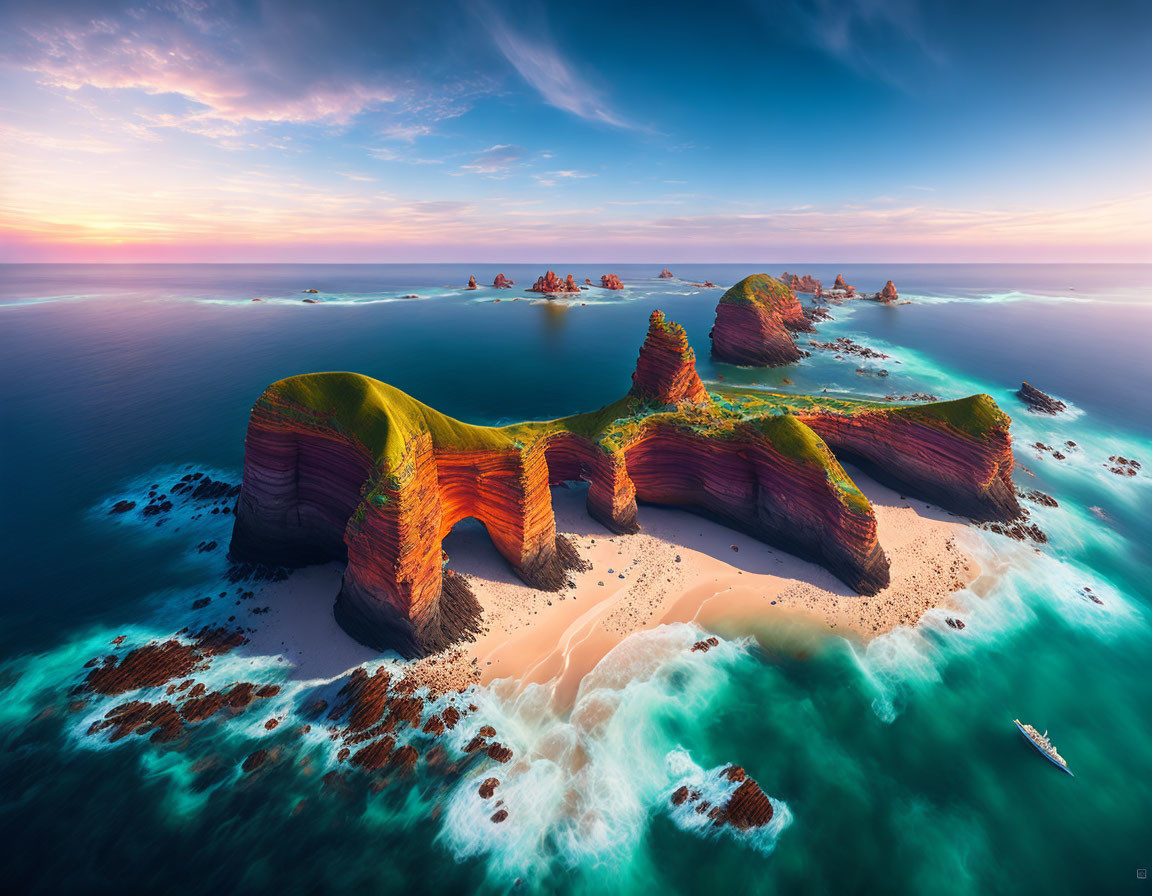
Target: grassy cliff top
pixel 381 417
pixel 759 289
pixel 974 415
pixel 386 420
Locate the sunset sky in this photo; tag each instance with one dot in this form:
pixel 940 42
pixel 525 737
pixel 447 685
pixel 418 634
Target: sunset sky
pixel 812 130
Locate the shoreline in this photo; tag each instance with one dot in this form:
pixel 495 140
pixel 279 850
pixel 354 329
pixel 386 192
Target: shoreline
pixel 682 568
pixel 679 568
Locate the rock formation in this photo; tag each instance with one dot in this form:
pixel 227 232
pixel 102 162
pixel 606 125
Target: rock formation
pixel 1037 401
pixel 502 282
pixel 666 370
pixel 754 323
pixel 746 808
pixel 342 467
pixel 957 454
pixel 551 284
pixel 611 281
pixel 841 285
pixel 888 293
pixel 471 282
pixel 666 274
pixel 807 283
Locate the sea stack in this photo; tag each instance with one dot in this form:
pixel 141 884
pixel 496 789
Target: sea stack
pixel 888 293
pixel 807 283
pixel 755 320
pixel 665 274
pixel 666 370
pixel 502 282
pixel 550 284
pixel 841 285
pixel 471 282
pixel 611 281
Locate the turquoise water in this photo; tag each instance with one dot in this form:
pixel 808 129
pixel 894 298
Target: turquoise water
pixel 895 767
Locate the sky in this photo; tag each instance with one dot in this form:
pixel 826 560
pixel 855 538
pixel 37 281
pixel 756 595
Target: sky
pixel 513 131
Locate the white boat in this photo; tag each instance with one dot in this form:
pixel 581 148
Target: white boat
pixel 1041 743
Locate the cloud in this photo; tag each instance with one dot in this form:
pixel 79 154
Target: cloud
pixel 260 61
pixel 888 40
pixel 542 65
pixel 496 159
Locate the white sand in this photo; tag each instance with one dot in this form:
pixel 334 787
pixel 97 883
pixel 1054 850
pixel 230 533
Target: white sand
pixel 635 583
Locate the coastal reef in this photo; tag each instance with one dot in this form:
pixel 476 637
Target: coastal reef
pixel 339 466
pixel 755 320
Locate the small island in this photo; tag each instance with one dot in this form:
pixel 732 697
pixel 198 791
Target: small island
pixel 339 466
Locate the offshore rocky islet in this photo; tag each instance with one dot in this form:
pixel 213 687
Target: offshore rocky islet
pixel 342 467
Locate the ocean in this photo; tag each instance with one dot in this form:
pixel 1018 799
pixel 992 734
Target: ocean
pixel 894 765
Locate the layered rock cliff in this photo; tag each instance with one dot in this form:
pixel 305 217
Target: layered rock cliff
pixel 957 454
pixel 342 467
pixel 666 370
pixel 755 320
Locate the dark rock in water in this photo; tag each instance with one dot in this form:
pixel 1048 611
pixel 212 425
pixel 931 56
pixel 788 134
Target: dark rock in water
pixel 376 755
pixel 957 624
pixel 1089 594
pixel 1038 497
pixel 1122 466
pixel 122 506
pixel 311 301
pixel 499 752
pixel 500 816
pixel 705 646
pixel 312 290
pixel 405 758
pixel 748 807
pixel 488 787
pixel 665 274
pixel 1037 401
pixel 255 760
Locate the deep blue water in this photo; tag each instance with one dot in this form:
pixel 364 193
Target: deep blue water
pixel 895 762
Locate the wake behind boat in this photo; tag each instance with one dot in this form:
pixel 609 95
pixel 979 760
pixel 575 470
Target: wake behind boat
pixel 1041 743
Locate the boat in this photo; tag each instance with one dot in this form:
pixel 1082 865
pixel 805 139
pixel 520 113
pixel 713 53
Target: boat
pixel 1041 743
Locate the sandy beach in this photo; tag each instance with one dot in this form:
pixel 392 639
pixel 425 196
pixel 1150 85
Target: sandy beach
pixel 679 568
pixel 683 568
